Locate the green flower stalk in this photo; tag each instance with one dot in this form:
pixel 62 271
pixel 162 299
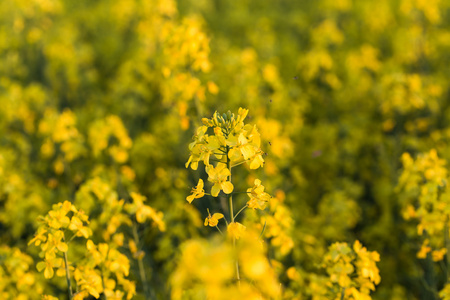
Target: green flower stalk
pixel 226 140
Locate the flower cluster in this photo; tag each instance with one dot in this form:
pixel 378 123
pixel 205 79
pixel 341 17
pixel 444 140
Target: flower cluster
pixel 425 197
pixel 51 235
pixel 101 270
pixel 17 278
pixel 232 141
pixel 221 143
pixel 206 269
pixel 228 141
pixel 352 270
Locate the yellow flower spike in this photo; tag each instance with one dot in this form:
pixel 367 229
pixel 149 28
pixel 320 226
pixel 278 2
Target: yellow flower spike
pixel 236 230
pixel 353 268
pixel 219 176
pixel 197 192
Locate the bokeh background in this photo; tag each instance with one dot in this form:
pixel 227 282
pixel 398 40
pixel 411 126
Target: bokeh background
pixel 113 90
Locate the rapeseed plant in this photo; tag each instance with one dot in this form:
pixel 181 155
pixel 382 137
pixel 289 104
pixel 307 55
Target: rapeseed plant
pixel 228 142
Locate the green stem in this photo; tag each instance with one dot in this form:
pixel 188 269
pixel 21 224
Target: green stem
pixel 69 284
pixel 222 162
pixel 240 211
pixel 219 230
pixel 230 196
pixel 343 294
pixel 103 282
pixel 238 277
pixel 262 231
pixel 232 166
pixel 447 245
pixel 230 200
pixel 141 265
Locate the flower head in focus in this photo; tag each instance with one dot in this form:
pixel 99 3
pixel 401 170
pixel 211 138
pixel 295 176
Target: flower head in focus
pixel 213 220
pixel 219 176
pixel 197 192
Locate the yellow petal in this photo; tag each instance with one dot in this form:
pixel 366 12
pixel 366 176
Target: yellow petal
pixel 217 216
pixel 236 230
pixel 256 162
pixel 215 190
pixel 227 187
pixel 190 198
pixel 200 184
pixel 90 245
pixel 40 266
pixel 62 247
pixel 48 273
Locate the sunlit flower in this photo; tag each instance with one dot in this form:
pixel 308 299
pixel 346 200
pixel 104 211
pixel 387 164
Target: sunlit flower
pixel 197 192
pixel 219 176
pixel 213 220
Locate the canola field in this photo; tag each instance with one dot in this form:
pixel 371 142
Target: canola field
pixel 195 149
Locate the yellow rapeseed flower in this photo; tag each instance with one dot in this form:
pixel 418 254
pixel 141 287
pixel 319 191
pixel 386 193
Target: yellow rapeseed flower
pixel 213 220
pixel 258 198
pixel 219 176
pixel 197 192
pixel 236 230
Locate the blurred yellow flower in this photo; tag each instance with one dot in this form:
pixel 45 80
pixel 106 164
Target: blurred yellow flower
pixel 258 198
pixel 236 230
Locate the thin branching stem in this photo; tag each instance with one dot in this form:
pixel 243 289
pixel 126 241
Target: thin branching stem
pixel 343 294
pixel 447 245
pixel 235 165
pixel 230 200
pixel 219 230
pixel 69 283
pixel 141 264
pixel 240 211
pixel 262 231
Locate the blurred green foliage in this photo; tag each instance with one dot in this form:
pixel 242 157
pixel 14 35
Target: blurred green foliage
pixel 110 91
